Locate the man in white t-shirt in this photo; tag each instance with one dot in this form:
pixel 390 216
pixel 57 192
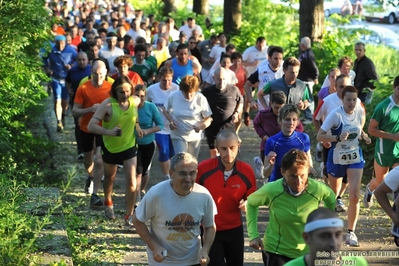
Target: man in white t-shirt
pixel 111 52
pixel 255 55
pixel 218 49
pixel 189 27
pixel 158 93
pixel 177 208
pixel 135 30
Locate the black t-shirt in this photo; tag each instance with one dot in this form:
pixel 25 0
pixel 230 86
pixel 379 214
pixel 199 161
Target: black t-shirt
pixel 222 102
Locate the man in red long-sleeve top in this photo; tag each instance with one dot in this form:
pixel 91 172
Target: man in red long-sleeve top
pixel 230 182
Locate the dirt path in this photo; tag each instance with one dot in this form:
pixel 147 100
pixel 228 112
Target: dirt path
pixel 97 241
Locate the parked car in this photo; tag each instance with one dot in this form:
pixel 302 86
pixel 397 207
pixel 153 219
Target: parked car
pixel 383 10
pixel 376 35
pixel 332 7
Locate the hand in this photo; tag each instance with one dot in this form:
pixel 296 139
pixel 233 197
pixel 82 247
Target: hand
pixel 344 136
pixel 255 63
pixel 254 104
pixel 67 66
pixel 116 131
pixel 203 258
pixel 157 254
pixel 366 138
pixel 198 126
pixel 265 137
pixel 94 107
pixel 316 81
pixel 140 132
pixel 243 205
pixel 256 244
pixel 326 145
pixel 271 157
pixel 172 125
pixel 234 118
pixel 301 105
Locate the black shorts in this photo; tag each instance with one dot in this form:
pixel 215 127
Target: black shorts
pixel 89 141
pixel 144 157
pixel 118 158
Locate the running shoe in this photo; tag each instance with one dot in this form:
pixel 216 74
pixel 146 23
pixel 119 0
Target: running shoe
pixel 129 221
pixel 351 239
pixel 95 201
pixel 368 197
pixel 60 128
pixel 258 167
pixel 80 157
pixel 109 212
pixel 339 206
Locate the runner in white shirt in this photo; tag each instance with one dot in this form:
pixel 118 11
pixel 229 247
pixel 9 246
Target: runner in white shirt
pixel 344 65
pixel 158 94
pixel 255 55
pixel 267 71
pixel 189 27
pixel 230 76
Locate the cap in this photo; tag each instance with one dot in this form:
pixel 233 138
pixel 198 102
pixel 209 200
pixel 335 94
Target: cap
pixel 60 38
pixel 182 34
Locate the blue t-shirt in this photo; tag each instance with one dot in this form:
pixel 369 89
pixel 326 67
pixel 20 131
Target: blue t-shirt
pixel 148 116
pixel 281 144
pixel 76 74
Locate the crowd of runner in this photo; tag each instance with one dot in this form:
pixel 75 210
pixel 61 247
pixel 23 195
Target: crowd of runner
pixel 135 83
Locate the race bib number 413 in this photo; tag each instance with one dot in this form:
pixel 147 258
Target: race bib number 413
pixel 349 157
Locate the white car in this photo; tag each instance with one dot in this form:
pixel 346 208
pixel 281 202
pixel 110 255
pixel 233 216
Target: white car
pixel 374 9
pixel 332 7
pixel 376 35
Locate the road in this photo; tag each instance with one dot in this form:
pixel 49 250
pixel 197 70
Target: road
pixel 394 27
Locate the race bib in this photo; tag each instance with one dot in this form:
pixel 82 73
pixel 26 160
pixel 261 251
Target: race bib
pixel 349 157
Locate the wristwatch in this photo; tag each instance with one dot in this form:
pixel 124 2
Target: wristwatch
pixel 338 138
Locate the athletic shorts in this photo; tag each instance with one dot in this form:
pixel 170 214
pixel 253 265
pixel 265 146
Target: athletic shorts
pixel 210 134
pixel 338 170
pixel 386 160
pixel 117 158
pixel 165 147
pixel 59 90
pixel 88 139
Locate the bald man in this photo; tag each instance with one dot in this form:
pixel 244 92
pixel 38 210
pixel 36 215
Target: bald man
pixel 323 236
pixel 230 182
pixel 226 103
pixel 88 98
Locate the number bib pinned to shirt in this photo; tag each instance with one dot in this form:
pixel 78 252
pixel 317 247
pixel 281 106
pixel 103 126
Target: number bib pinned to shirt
pixel 349 157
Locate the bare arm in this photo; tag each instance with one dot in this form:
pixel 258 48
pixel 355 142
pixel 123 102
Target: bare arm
pixel 322 136
pixel 196 71
pixel 381 195
pixel 143 232
pixel 78 110
pixel 374 131
pixel 94 124
pixel 208 237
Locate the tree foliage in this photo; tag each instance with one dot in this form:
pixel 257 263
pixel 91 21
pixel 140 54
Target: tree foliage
pixel 24 30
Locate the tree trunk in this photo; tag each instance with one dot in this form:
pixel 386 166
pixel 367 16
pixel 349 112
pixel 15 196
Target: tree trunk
pixel 311 19
pixel 232 16
pixel 169 7
pixel 201 7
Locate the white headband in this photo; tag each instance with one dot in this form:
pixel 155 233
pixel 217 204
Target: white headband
pixel 332 222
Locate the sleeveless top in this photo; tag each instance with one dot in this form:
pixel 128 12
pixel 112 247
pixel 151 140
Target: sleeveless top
pixel 127 121
pixel 181 71
pixel 240 75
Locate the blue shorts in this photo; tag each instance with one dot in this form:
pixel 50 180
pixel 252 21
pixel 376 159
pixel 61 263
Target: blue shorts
pixel 59 91
pixel 338 170
pixel 165 147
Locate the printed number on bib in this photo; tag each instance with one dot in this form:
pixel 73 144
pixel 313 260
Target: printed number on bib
pixel 349 157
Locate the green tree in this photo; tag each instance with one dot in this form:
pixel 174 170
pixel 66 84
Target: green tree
pixel 24 30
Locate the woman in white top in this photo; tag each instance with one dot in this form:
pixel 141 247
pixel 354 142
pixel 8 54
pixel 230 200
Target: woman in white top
pixel 189 113
pixel 345 156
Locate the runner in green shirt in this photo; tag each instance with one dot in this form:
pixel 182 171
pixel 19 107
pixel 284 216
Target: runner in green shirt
pixel 323 236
